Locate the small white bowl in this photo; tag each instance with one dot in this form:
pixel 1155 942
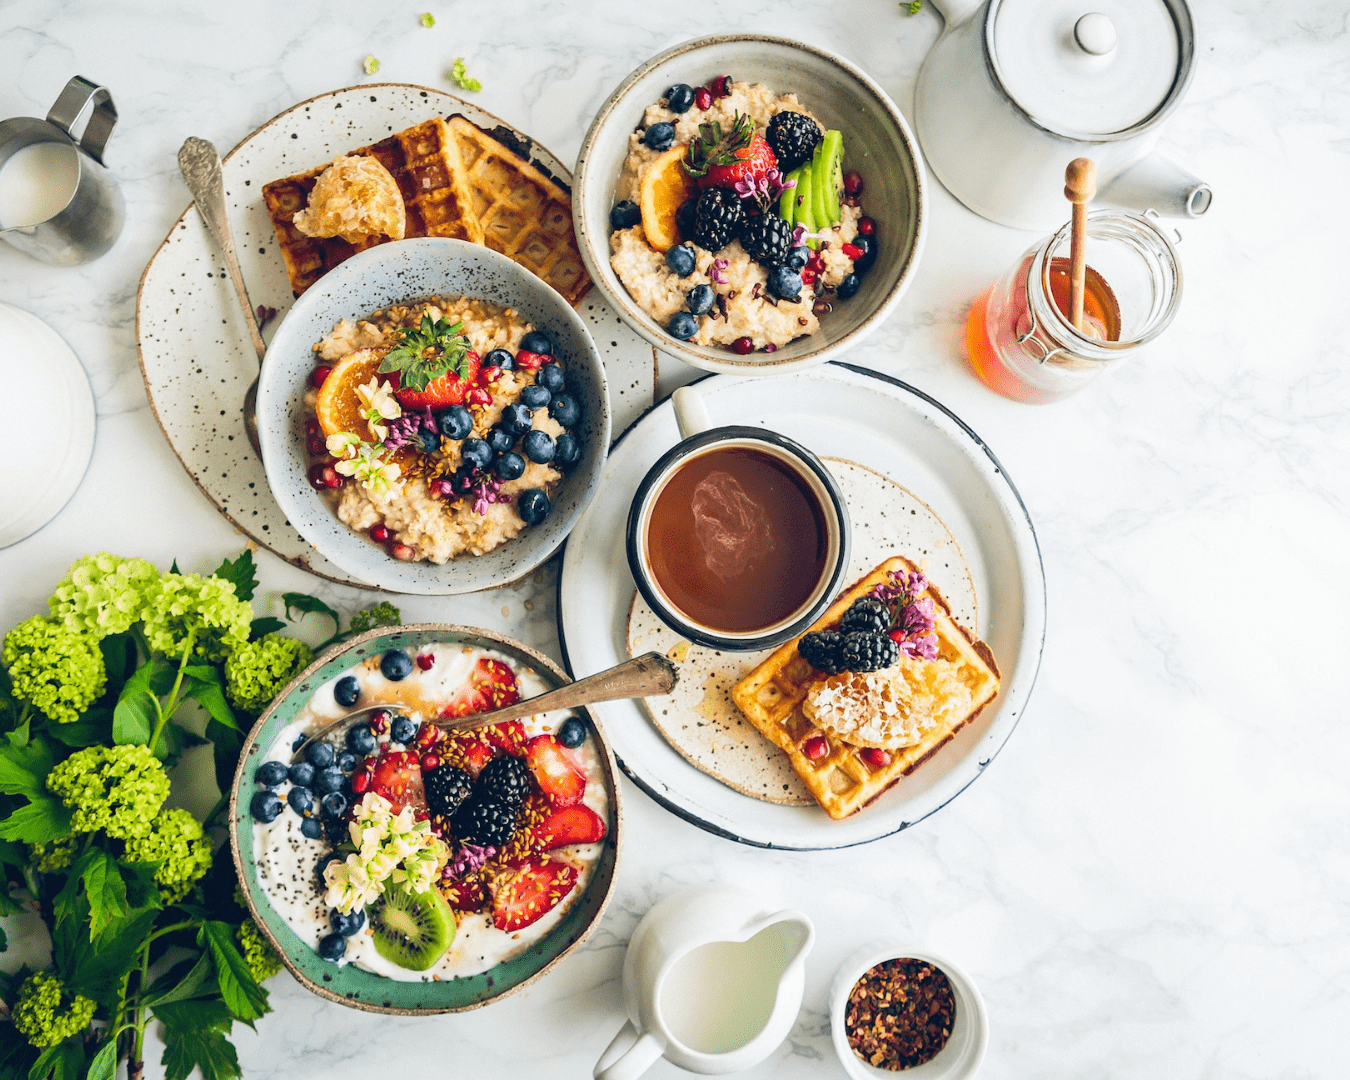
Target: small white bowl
pixel 964 1052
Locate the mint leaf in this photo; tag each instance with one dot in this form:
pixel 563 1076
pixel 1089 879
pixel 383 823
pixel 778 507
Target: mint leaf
pixel 424 354
pixel 264 625
pixel 244 997
pixel 241 572
pixel 40 822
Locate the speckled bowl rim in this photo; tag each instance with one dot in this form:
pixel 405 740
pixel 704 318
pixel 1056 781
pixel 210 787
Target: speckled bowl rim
pixel 506 644
pixel 720 360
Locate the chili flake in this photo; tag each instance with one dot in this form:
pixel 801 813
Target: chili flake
pixel 900 1014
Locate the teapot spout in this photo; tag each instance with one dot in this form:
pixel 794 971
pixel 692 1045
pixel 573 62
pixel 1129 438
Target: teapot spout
pixel 1157 183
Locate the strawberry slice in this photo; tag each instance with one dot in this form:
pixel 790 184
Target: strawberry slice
pixel 535 891
pixel 554 771
pixel 398 777
pixel 466 896
pixel 723 158
pixel 508 737
pixel 569 825
pixel 448 389
pixel 492 685
pixel 476 755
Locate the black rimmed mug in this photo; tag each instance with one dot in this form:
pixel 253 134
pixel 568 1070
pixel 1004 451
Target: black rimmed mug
pixel 808 474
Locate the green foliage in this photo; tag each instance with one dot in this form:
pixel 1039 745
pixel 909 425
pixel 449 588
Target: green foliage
pixel 103 594
pixel 194 1038
pixel 57 855
pixel 382 614
pixel 241 572
pixel 116 789
pixel 424 353
pixel 200 615
pixel 56 670
pixel 245 999
pixel 262 960
pixel 177 845
pixel 256 672
pixel 47 1014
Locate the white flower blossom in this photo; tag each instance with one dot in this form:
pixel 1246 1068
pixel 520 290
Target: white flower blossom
pixel 378 403
pixel 372 472
pixel 343 444
pixel 392 847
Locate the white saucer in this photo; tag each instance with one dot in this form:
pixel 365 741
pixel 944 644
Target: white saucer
pixel 55 429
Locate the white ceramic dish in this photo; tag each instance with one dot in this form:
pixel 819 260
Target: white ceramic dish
pixel 960 1059
pixel 885 425
pixel 374 279
pixel 877 143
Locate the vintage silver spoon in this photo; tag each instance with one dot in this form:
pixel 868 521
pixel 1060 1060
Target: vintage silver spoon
pixel 200 166
pixel 650 673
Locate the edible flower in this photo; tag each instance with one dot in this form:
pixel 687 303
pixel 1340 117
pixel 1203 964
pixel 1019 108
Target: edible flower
pixel 459 75
pixel 469 859
pixel 485 492
pixel 428 19
pixel 372 472
pixel 715 271
pixel 404 429
pixel 391 849
pixel 912 625
pixel 370 65
pixel 377 404
pixel 763 190
pixel 343 445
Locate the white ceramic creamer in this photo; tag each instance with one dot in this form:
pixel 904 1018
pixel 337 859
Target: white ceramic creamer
pixel 711 981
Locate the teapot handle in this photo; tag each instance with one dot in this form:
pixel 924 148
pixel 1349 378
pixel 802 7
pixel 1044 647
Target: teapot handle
pixel 65 113
pixel 632 1062
pixel 955 12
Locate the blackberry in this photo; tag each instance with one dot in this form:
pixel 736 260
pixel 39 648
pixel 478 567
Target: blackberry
pixel 821 651
pixel 867 614
pixel 863 651
pixel 767 238
pixel 485 822
pixel 684 218
pixel 717 218
pixel 448 788
pixel 504 779
pixel 792 137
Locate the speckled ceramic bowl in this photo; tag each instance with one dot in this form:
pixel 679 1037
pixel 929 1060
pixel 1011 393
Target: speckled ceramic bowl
pixel 348 985
pixel 878 144
pixel 392 273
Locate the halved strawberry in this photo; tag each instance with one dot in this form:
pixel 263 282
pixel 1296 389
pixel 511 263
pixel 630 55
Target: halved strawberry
pixel 569 825
pixel 719 158
pixel 535 891
pixel 492 685
pixel 398 777
pixel 448 389
pixel 554 771
pixel 509 737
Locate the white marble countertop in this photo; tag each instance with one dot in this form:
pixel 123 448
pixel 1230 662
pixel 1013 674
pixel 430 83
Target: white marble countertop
pixel 1152 879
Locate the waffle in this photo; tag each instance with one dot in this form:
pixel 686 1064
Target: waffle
pixel 523 213
pixel 425 162
pixel 771 697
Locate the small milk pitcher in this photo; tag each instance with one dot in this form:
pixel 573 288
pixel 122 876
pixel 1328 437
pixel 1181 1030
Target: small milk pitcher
pixel 711 981
pixel 57 201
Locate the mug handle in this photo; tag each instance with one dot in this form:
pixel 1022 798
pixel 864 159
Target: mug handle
pixel 631 1063
pixel 72 103
pixel 691 414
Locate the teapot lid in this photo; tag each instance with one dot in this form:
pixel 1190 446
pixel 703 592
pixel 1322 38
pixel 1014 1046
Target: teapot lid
pixel 1095 69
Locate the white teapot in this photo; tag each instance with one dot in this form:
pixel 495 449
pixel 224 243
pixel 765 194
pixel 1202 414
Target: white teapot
pixel 1014 90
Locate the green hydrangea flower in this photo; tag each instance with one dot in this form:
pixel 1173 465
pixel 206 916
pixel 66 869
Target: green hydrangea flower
pixel 204 607
pixel 175 841
pixel 53 857
pixel 46 1014
pixel 54 669
pixel 256 672
pixel 103 594
pixel 118 789
pixel 263 961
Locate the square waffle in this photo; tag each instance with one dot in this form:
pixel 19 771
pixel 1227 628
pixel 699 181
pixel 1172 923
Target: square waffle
pixel 423 160
pixel 771 697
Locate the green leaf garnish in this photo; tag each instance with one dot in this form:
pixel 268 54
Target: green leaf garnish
pixel 428 19
pixel 914 7
pixel 370 65
pixel 713 147
pixel 459 75
pixel 424 354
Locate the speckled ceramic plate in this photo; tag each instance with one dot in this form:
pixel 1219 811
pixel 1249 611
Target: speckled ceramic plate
pixel 360 989
pixel 838 411
pixel 194 352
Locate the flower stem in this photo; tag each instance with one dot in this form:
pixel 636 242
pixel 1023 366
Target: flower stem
pixel 170 706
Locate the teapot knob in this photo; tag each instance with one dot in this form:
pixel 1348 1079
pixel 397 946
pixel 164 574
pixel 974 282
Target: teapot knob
pixel 1095 33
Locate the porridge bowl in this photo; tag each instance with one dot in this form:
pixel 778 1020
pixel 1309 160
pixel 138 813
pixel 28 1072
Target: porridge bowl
pixel 408 495
pixel 883 181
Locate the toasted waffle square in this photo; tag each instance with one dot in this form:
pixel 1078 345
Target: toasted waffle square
pixel 771 697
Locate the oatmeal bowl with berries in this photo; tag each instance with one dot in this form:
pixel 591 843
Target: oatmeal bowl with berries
pixel 433 418
pixel 750 204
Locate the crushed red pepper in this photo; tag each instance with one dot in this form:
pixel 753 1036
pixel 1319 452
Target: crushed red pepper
pixel 900 1014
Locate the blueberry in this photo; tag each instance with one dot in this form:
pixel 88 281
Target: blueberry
pixel 455 422
pixel 347 690
pixel 265 806
pixel 500 358
pixel 509 466
pixel 798 257
pixel 329 780
pixel 785 283
pixel 311 828
pixel 403 729
pixel 684 217
pixel 868 244
pixel 550 377
pixel 539 447
pixel 346 925
pixel 679 97
pixel 849 286
pixel 361 740
pixel 346 762
pixel 271 773
pixel 500 441
pixel 537 341
pixel 568 451
pixel 660 136
pixel 681 260
pixel 572 733
pixel 300 798
pixel 429 441
pixel 335 830
pixel 333 805
pixel 396 665
pixel 533 506
pixel 332 947
pixel 565 410
pixel 320 754
pixel 700 299
pixel 516 419
pixel 535 396
pixel 624 215
pixel 476 452
pixel 301 774
pixel 298 742
pixel 682 325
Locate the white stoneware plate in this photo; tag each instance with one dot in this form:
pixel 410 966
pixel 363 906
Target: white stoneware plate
pixel 838 411
pixel 195 357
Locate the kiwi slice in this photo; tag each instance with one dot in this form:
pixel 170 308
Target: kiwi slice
pixel 787 202
pixel 412 930
pixel 827 165
pixel 804 211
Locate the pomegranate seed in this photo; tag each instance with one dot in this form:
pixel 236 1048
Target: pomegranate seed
pixel 808 276
pixel 421 815
pixel 479 396
pixel 853 251
pixel 425 660
pixel 402 552
pixel 318 375
pixel 316 478
pixel 378 533
pixel 815 747
pixel 316 444
pixel 332 479
pixel 853 184
pixel 703 98
pixel 742 346
pixel 360 781
pixel 771 347
pixel 379 723
pixel 720 87
pixel 874 757
pixel 430 761
pixel 531 360
pixel 489 374
pixel 816 263
pixel 867 226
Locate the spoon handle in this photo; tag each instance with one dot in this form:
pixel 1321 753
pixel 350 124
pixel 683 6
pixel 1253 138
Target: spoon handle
pixel 200 165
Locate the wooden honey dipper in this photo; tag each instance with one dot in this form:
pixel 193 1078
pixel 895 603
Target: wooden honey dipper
pixel 1080 185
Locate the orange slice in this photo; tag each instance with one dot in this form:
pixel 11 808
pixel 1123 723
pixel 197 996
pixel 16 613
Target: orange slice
pixel 338 407
pixel 665 187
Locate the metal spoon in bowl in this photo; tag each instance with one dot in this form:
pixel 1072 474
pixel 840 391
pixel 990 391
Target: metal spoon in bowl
pixel 650 673
pixel 200 166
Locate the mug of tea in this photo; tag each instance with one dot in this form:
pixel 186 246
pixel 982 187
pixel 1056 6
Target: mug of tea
pixel 738 537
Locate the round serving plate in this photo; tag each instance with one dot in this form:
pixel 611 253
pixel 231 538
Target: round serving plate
pixel 193 343
pixel 349 985
pixel 838 411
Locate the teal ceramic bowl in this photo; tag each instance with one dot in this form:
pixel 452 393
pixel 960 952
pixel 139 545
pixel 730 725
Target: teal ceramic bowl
pixel 349 985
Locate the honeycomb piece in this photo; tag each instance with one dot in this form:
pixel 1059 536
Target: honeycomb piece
pixel 355 197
